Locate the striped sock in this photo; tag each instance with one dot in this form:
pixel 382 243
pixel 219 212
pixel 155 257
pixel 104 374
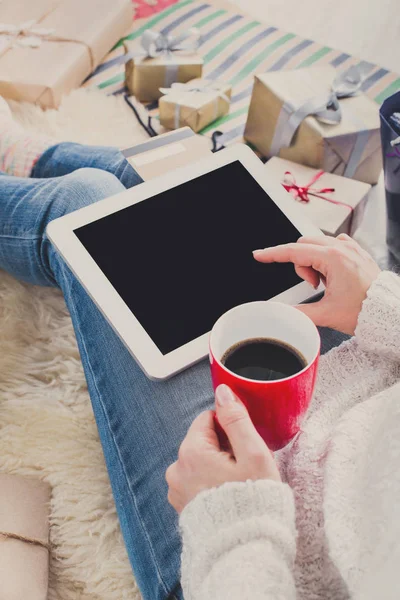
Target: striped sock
pixel 19 150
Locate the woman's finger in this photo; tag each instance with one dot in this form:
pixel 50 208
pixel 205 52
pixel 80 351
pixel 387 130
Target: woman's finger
pixel 326 240
pixel 302 255
pixel 350 243
pixel 202 430
pixel 309 275
pixel 235 421
pixel 318 240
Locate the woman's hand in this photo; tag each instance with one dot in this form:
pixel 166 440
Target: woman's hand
pixel 344 267
pixel 203 465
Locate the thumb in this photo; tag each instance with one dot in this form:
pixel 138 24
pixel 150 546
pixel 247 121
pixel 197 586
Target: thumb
pixel 235 421
pixel 316 311
pixel 202 430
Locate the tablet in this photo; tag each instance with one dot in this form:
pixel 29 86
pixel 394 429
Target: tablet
pixel 164 260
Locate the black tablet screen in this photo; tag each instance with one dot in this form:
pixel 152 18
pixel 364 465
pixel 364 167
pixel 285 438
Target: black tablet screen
pixel 182 258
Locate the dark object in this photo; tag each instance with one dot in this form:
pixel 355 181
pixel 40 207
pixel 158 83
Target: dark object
pixel 168 290
pixel 391 165
pixel 263 359
pixel 216 145
pixel 148 128
pixel 395 122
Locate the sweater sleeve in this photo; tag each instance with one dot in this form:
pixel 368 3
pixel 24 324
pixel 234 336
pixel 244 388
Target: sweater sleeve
pixel 378 328
pixel 239 543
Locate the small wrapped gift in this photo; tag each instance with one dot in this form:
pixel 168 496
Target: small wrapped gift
pixel 48 47
pixel 24 538
pixel 161 61
pixel 166 152
pixel 334 204
pixel 311 117
pixel 195 104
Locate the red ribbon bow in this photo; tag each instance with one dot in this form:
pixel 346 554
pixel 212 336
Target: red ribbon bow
pixel 303 193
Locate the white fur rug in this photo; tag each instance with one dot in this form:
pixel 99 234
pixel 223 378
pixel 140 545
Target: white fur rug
pixel 47 428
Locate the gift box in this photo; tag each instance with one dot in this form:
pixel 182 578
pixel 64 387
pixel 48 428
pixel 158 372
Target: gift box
pixel 333 203
pixel 161 61
pixel 164 153
pixel 195 104
pixel 48 47
pixel 317 118
pixel 24 538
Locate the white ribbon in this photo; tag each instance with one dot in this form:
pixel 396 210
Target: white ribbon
pixel 326 108
pixel 25 34
pixel 155 44
pixel 184 89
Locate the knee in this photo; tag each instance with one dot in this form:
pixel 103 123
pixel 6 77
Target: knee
pixel 82 188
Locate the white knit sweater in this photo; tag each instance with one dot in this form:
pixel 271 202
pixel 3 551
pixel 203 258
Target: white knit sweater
pixel 342 495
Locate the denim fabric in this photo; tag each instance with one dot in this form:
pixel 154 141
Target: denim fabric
pixel 67 157
pixel 141 423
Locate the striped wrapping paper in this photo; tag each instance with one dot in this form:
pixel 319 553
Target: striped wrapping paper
pixel 234 48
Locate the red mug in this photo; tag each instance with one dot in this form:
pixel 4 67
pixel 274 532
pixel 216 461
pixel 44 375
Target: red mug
pixel 276 407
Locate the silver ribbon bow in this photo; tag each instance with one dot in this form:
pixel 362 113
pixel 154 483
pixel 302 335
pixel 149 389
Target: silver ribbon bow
pixel 326 108
pixel 25 34
pixel 156 44
pixel 186 89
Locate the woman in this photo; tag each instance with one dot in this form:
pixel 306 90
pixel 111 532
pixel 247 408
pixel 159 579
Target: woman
pixel 237 515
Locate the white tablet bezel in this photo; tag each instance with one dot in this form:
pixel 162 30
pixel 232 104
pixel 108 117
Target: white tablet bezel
pixel 61 233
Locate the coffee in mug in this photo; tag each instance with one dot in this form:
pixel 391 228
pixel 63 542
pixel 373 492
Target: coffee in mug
pixel 267 353
pixel 263 359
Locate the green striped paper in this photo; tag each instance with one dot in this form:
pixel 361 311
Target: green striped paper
pixel 237 47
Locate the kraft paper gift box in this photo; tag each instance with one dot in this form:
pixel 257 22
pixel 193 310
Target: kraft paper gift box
pixel 48 47
pixel 164 153
pixel 24 538
pixel 350 147
pixel 333 203
pixel 160 62
pixel 195 104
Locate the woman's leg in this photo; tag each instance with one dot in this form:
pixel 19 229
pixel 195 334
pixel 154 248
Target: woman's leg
pixel 24 154
pixel 141 426
pixel 25 209
pixel 67 157
pixel 141 423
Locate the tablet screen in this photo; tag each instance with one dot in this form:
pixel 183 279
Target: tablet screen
pixel 182 258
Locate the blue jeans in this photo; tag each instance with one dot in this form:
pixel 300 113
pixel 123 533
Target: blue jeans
pixel 141 423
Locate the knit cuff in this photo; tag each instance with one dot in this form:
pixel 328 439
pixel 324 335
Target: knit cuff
pixel 232 503
pixel 378 328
